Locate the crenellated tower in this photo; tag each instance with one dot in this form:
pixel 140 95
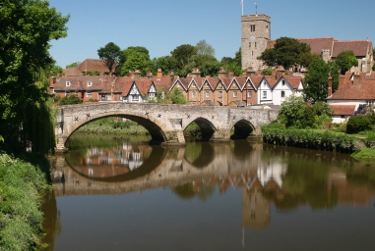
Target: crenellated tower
pixel 256 32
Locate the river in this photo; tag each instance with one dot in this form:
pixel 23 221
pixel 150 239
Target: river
pixel 123 194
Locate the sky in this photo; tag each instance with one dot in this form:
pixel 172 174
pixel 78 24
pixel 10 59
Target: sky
pixel 162 25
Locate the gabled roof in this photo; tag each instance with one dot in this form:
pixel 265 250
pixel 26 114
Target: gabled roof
pixel 226 81
pixel 360 48
pixel 93 65
pixel 184 82
pixel 164 82
pixel 80 83
pixel 343 109
pixel 271 80
pixel 144 85
pixel 293 81
pixel 123 85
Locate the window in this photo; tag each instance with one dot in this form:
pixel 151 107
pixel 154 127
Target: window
pixel 89 83
pixel 135 97
pixel 249 94
pixel 220 94
pixel 250 44
pixel 283 82
pixel 88 94
pixel 151 94
pixel 193 95
pixel 67 93
pixel 103 97
pixel 283 94
pixel 67 83
pixel 255 44
pixel 252 27
pixel 235 94
pixel 207 94
pixel 264 94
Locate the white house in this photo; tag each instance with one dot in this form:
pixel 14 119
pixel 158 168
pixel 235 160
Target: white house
pixel 285 87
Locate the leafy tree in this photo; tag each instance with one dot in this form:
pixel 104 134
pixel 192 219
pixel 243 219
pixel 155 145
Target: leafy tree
pixel 335 72
pixel 135 58
pixel 72 65
pixel 183 54
pixel 26 28
pixel 173 97
pixel 232 64
pixel 287 52
pixel 70 100
pixel 167 64
pixel 346 60
pixel 203 48
pixel 110 53
pixel 316 81
pixel 267 72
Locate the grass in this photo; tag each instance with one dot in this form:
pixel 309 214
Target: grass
pixel 21 186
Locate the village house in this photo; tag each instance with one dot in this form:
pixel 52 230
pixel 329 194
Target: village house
pixel 354 89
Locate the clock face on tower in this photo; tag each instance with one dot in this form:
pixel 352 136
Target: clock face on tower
pixel 252 38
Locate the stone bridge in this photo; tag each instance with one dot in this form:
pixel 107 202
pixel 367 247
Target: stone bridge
pixel 166 123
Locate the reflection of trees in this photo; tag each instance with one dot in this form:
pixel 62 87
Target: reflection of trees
pixel 51 224
pixel 199 154
pixel 191 190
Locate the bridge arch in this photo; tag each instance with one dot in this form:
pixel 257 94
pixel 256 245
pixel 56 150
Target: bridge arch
pixel 243 128
pixel 153 127
pixel 206 126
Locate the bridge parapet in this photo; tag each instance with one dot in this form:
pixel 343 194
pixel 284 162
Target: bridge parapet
pixel 165 123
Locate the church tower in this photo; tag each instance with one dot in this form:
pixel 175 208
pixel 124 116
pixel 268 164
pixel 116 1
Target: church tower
pixel 256 32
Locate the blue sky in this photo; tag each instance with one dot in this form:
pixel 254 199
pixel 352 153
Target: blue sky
pixel 162 25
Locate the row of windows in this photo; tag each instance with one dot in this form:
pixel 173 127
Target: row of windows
pixel 282 94
pixel 68 83
pixel 207 94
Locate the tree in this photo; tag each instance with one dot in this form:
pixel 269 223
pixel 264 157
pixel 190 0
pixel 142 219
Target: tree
pixel 135 58
pixel 110 53
pixel 203 48
pixel 167 64
pixel 183 54
pixel 346 60
pixel 26 28
pixel 316 81
pixel 287 52
pixel 70 100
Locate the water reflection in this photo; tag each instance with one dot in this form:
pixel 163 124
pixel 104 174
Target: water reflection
pixel 266 176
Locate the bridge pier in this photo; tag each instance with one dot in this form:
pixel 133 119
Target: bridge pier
pixel 221 135
pixel 174 138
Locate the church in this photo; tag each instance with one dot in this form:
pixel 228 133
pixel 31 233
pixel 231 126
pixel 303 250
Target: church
pixel 256 38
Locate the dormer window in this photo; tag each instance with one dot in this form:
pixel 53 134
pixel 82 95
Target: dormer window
pixel 283 82
pixel 67 83
pixel 89 83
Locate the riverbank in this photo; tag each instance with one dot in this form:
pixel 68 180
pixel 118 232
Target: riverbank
pixel 22 184
pixel 324 140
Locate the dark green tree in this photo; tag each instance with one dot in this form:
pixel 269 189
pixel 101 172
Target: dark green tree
pixel 316 81
pixel 287 52
pixel 26 28
pixel 183 55
pixel 167 64
pixel 70 100
pixel 135 58
pixel 346 60
pixel 110 53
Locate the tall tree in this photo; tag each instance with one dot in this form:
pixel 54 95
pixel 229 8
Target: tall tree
pixel 287 52
pixel 203 48
pixel 316 81
pixel 346 60
pixel 135 58
pixel 183 54
pixel 110 53
pixel 26 28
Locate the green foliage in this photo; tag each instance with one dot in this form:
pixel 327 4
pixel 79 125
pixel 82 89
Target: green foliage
pixel 316 81
pixel 267 72
pixel 358 123
pixel 287 52
pixel 26 28
pixel 21 184
pixel 72 65
pixel 204 49
pixel 110 53
pixel 167 64
pixel 345 60
pixel 367 154
pixel 70 100
pixel 334 70
pixel 136 61
pixel 296 113
pixel 176 97
pixel 91 73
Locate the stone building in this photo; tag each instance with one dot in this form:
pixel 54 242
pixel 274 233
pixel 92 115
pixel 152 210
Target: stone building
pixel 256 32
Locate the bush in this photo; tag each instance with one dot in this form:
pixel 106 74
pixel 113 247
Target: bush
pixel 70 100
pixel 358 123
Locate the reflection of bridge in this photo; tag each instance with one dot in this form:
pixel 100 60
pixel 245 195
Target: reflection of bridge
pixel 166 123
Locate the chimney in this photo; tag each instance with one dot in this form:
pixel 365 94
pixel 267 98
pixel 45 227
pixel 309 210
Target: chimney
pixel 231 74
pixel 137 74
pixel 131 74
pixel 159 74
pixel 330 86
pixel 250 72
pixel 171 75
pixel 149 74
pixel 279 72
pixel 357 79
pixel 196 73
pixel 222 73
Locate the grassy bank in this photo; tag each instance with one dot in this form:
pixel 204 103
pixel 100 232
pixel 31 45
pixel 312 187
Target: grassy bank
pixel 21 187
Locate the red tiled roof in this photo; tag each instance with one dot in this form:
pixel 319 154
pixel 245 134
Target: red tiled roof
pixel 72 72
pixel 123 85
pixel 93 65
pixel 318 44
pixel 81 83
pixel 361 88
pixel 359 47
pixel 144 85
pixel 343 109
pixel 293 81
